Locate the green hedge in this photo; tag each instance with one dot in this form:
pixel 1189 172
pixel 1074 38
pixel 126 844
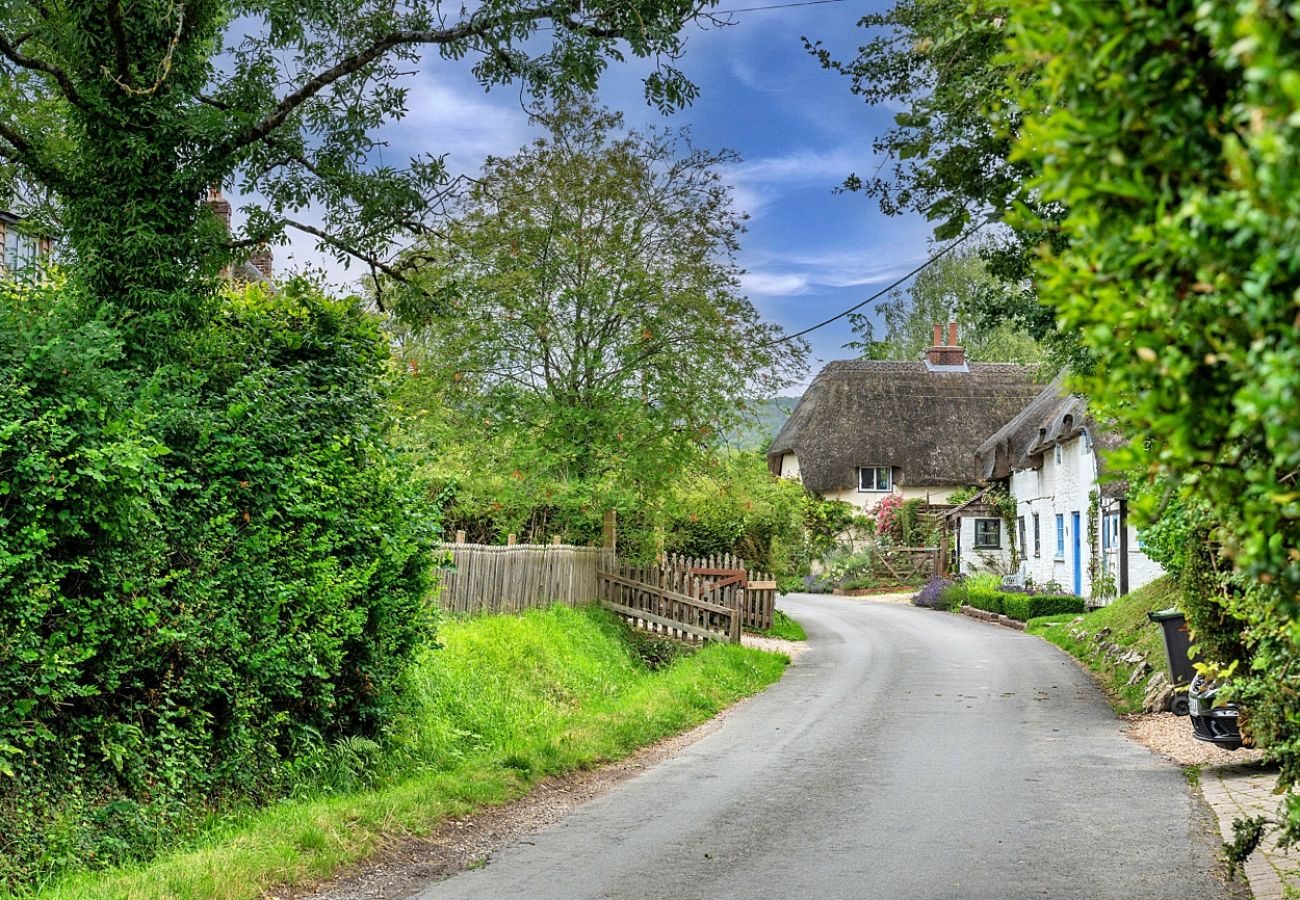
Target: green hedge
pixel 1022 607
pixel 207 570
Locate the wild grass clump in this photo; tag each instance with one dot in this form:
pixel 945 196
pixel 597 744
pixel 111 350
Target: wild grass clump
pixel 507 701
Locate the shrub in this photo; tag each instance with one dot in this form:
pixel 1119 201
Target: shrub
pixel 987 599
pixel 953 597
pixel 206 570
pixel 932 595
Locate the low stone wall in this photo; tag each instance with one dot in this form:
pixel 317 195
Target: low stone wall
pixel 995 618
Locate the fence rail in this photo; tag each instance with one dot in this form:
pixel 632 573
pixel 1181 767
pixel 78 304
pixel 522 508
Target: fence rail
pixel 711 598
pixel 690 599
pixel 491 578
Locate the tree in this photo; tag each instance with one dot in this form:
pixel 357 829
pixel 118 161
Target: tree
pixel 123 118
pixel 585 294
pixel 949 156
pixel 942 292
pixel 1171 133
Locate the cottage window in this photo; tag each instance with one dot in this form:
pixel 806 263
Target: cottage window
pixel 1085 446
pixel 1057 454
pixel 1060 535
pixel 1110 532
pixel 19 250
pixel 988 534
pixel 1021 523
pixel 875 478
pixel 1038 537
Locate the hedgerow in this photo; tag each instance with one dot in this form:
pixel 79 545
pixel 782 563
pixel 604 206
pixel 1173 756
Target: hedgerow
pixel 207 569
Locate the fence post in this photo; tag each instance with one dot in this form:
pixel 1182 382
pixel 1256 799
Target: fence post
pixel 555 540
pixel 460 536
pixel 510 540
pixel 609 532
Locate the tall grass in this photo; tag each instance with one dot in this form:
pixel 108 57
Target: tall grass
pixel 506 701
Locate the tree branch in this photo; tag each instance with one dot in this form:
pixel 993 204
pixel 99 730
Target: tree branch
pixel 363 58
pixel 11 52
pixel 116 25
pixel 22 153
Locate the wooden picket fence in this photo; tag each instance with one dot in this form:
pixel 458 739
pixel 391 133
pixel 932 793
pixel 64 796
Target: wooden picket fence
pixel 689 599
pixel 496 579
pixel 713 598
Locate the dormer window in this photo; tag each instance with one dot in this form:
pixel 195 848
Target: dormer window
pixel 875 478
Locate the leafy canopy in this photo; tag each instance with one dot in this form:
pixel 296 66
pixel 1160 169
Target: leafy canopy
pixel 581 314
pixel 938 294
pixel 116 120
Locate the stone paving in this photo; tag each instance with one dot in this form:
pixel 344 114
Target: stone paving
pixel 1241 791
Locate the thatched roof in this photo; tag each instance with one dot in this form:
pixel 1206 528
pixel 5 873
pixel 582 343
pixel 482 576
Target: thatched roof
pixel 924 421
pixel 1053 417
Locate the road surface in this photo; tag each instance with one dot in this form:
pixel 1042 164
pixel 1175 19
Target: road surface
pixel 908 754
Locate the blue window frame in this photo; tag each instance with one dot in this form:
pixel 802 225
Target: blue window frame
pixel 1060 535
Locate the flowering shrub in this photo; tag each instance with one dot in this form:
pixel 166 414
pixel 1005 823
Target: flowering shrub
pixel 888 520
pixel 932 595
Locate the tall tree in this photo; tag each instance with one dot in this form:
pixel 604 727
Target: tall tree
pixel 124 116
pixel 945 291
pixel 586 294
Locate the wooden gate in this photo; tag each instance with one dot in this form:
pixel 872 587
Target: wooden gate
pixel 689 599
pixel 909 565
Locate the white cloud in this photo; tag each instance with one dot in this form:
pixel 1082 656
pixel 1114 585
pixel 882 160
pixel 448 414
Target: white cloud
pixel 799 166
pixel 774 284
pixel 459 120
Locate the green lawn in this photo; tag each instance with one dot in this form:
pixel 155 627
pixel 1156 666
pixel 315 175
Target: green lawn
pixel 1127 620
pixel 508 701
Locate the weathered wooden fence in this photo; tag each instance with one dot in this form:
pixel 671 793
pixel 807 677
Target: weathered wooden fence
pixel 689 599
pixel 490 578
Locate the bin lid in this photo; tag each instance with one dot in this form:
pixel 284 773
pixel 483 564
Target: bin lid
pixel 1164 615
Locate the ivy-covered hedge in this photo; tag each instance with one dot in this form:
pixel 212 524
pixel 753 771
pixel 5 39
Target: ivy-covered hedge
pixel 206 570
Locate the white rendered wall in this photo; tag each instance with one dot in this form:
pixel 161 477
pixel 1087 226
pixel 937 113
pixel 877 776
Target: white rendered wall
pixel 971 560
pixel 867 500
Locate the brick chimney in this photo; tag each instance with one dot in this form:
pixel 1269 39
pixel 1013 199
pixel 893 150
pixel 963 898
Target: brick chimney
pixel 219 205
pixel 262 261
pixel 949 354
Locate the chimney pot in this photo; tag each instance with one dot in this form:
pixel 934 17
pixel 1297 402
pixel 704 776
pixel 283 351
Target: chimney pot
pixel 938 335
pixel 952 334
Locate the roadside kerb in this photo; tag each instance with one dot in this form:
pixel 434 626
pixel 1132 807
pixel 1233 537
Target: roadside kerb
pixel 994 618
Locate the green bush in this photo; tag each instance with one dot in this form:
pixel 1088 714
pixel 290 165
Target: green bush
pixel 953 596
pixel 207 570
pixel 985 598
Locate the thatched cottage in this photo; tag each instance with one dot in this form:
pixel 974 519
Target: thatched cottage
pixel 1072 523
pixel 866 429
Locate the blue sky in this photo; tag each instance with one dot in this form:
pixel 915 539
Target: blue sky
pixel 809 253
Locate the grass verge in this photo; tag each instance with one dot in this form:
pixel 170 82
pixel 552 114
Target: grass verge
pixel 1126 619
pixel 506 702
pixel 784 627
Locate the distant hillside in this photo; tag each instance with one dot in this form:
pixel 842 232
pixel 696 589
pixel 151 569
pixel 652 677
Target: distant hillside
pixel 762 423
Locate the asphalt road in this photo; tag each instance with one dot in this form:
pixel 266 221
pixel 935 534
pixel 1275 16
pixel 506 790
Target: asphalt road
pixel 908 754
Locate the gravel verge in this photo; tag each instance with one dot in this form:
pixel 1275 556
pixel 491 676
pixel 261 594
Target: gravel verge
pixel 1171 737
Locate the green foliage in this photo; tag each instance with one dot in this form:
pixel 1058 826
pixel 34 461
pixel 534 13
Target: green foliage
pixel 578 330
pixel 507 702
pixel 937 295
pixel 1169 133
pixel 207 571
pixel 1024 607
pixel 122 119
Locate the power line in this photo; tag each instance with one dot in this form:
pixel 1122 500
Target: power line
pixel 724 12
pixel 880 293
